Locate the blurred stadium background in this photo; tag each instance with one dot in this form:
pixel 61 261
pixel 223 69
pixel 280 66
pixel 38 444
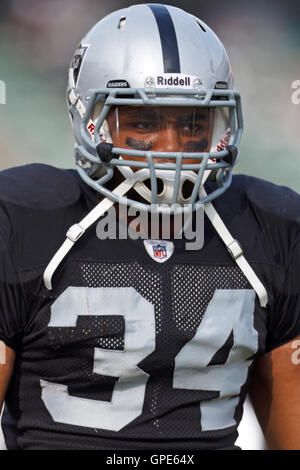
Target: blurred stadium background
pixel 262 37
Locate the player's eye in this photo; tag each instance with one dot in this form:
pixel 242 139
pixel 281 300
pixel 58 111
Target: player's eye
pixel 145 125
pixel 192 128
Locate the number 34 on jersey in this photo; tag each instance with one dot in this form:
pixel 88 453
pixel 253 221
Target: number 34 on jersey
pixel 230 312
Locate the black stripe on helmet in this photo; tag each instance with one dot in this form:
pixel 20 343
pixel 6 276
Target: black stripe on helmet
pixel 168 38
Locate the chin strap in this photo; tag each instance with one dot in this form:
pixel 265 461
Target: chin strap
pixel 132 179
pixel 76 231
pixel 233 246
pixel 236 251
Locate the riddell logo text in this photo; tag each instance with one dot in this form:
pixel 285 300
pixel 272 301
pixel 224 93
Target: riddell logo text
pixel 175 81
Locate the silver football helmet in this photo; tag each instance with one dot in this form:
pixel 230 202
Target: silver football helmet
pixel 154 57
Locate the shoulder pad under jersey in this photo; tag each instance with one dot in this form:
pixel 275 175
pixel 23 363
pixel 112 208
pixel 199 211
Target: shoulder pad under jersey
pixel 38 186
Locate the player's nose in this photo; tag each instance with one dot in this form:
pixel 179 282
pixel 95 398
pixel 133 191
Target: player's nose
pixel 168 142
pixel 171 142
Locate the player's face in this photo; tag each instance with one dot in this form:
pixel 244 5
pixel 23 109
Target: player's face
pixel 161 129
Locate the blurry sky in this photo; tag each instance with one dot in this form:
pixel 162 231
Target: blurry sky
pixel 37 40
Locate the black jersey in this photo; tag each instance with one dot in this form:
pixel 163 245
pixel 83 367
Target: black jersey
pixel 126 352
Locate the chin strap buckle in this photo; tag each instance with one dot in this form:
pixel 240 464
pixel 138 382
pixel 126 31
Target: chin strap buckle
pixel 75 232
pixel 235 249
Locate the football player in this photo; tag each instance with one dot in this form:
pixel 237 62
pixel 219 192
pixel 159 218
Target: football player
pixel 141 343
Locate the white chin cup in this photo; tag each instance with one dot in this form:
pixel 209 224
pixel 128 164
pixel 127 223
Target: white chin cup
pixel 165 196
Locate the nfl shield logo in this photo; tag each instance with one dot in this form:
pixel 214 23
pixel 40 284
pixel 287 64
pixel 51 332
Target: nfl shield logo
pixel 159 251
